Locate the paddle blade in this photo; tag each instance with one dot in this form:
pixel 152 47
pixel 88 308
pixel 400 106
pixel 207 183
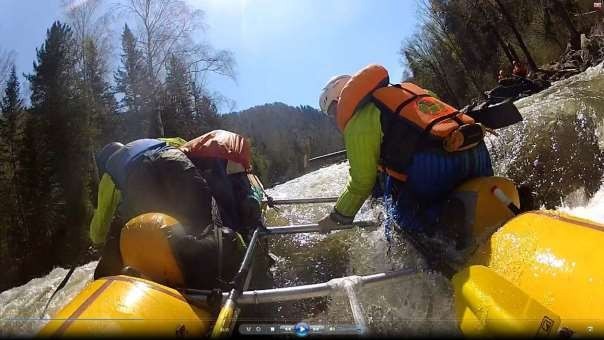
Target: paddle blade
pixel 489 305
pixel 496 116
pixel 222 328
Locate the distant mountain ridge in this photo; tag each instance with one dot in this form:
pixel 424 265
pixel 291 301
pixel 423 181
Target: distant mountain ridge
pixel 283 136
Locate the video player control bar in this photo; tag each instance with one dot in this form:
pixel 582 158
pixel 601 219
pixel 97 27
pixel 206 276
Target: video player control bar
pixel 299 329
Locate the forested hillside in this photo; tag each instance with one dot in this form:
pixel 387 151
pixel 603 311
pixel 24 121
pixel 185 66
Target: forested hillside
pixel 78 101
pixel 48 173
pixel 283 137
pixel 462 44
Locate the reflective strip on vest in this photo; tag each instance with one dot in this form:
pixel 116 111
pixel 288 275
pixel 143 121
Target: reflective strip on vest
pixel 117 165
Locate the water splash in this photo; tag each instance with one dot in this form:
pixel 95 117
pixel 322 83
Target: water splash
pixel 21 307
pixel 592 210
pixel 556 148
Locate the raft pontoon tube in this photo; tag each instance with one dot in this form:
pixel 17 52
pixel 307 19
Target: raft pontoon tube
pixel 538 273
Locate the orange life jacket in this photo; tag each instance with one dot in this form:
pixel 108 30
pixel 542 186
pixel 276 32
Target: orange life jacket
pixel 519 70
pixel 221 144
pixel 420 119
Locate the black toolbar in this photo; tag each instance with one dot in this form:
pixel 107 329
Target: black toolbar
pixel 299 329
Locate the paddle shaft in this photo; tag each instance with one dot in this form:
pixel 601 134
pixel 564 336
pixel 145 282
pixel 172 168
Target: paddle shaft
pixel 228 313
pixel 313 228
pixel 328 156
pixel 61 285
pixel 271 201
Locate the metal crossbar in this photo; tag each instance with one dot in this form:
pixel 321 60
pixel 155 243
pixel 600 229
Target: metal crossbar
pixel 347 284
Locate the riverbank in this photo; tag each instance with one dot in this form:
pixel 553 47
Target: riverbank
pixel 572 62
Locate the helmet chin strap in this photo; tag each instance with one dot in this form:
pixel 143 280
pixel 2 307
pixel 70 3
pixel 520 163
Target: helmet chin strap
pixel 333 109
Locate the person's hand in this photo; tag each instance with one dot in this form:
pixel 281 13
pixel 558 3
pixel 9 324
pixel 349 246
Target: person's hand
pixel 326 224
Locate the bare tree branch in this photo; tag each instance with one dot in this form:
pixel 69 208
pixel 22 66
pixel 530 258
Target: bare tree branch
pixel 89 24
pixel 7 60
pixel 163 28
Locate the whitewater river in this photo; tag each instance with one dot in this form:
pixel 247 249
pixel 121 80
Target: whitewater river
pixel 557 149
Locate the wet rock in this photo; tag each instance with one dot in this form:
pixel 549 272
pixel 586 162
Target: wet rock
pixel 572 61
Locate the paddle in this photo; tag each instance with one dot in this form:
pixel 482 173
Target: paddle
pixel 228 312
pixel 328 156
pixel 61 285
pixel 270 201
pixel 495 115
pixel 314 228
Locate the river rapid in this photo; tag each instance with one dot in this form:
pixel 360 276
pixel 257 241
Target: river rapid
pixel 557 149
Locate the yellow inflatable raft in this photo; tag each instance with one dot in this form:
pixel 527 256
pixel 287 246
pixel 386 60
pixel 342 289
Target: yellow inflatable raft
pixel 124 306
pixel 541 273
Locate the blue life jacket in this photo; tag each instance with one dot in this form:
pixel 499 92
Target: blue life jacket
pixel 432 177
pixel 118 164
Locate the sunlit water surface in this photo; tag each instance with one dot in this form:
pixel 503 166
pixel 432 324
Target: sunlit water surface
pixel 555 149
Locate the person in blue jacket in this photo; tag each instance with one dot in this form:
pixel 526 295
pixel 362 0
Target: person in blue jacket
pixel 148 175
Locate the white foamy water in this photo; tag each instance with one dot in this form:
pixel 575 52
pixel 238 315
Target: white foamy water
pixel 420 304
pixel 593 210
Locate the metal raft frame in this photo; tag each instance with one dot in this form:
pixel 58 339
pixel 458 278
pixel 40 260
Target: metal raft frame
pixel 346 284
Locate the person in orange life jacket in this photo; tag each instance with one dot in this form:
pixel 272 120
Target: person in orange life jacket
pixel 394 129
pixel 149 175
pixel 519 70
pixel 224 159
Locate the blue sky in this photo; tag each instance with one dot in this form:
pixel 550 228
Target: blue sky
pixel 285 50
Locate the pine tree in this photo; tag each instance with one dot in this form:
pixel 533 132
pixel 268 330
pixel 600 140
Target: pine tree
pixel 11 221
pixel 11 102
pixel 177 111
pixel 62 147
pixel 206 112
pixel 97 87
pixel 12 107
pixel 100 106
pixel 132 81
pixel 16 183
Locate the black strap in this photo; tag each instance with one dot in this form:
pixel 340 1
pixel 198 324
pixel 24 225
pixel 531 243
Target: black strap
pixel 457 120
pixel 438 120
pixel 406 102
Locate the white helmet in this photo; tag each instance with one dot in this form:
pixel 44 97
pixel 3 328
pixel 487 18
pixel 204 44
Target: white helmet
pixel 331 91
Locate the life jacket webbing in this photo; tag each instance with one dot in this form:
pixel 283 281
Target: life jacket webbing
pixel 452 115
pixel 402 176
pixel 408 101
